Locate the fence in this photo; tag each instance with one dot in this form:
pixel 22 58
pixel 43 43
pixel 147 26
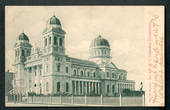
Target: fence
pixel 88 100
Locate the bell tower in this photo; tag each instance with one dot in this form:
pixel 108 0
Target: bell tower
pixel 22 50
pixel 53 48
pixel 53 37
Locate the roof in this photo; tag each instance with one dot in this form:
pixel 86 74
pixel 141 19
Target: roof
pixel 54 20
pixel 99 41
pixel 54 29
pixel 111 65
pixel 23 36
pixel 82 62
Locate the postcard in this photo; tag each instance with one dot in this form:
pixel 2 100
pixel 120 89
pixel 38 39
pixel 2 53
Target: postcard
pixel 84 56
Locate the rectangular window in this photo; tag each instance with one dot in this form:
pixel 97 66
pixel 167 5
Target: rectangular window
pixel 49 40
pixel 45 42
pixel 67 87
pixel 88 74
pixel 23 53
pixel 108 74
pixel 66 69
pixel 112 75
pixel 55 41
pixel 113 88
pixel 108 89
pixel 58 67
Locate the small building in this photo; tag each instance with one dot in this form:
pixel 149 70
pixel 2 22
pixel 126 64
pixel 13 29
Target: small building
pixel 8 82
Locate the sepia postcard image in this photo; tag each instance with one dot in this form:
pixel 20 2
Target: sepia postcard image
pixel 84 56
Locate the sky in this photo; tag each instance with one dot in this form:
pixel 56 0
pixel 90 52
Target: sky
pixel 122 26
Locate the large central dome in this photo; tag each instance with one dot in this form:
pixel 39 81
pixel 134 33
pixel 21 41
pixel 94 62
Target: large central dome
pixel 99 41
pixel 99 48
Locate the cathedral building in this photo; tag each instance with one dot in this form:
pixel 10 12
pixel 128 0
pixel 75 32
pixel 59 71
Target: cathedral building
pixel 50 71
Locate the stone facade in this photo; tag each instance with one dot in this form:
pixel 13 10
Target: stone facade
pixel 51 71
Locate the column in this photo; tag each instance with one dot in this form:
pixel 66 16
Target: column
pixel 90 88
pixel 85 89
pixel 76 88
pixel 73 87
pixel 96 88
pixel 99 88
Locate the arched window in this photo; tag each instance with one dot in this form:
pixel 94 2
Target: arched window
pixel 66 69
pixel 88 74
pixel 75 72
pixel 124 77
pixel 45 42
pixel 67 87
pixel 113 88
pixel 58 67
pixel 58 86
pixel 55 40
pixel 94 74
pixel 23 52
pixel 49 40
pixel 60 42
pixel 47 88
pixel 108 74
pixel 81 73
pixel 113 75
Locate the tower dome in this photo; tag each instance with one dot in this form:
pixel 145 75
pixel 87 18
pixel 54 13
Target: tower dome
pixel 100 50
pixel 99 41
pixel 54 21
pixel 23 36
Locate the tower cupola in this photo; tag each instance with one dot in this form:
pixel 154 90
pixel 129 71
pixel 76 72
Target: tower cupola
pixel 23 36
pixel 22 48
pixel 53 37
